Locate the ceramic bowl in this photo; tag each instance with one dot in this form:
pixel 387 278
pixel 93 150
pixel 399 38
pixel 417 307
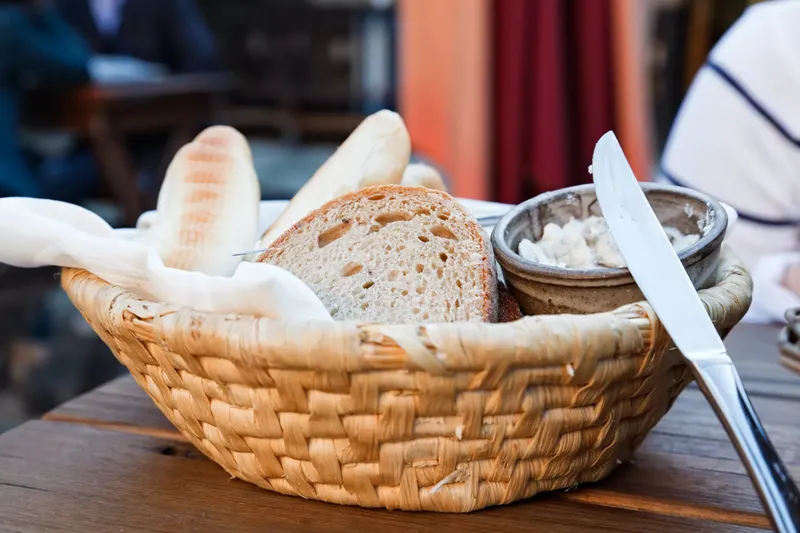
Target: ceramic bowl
pixel 542 289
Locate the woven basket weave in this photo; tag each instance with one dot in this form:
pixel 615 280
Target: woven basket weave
pixel 451 417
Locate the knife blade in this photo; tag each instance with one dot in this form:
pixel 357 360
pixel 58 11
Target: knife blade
pixel 658 271
pixel 648 253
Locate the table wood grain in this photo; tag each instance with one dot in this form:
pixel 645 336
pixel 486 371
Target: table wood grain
pixel 110 461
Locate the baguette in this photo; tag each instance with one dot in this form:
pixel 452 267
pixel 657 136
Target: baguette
pixel 393 254
pixel 208 204
pixel 422 175
pixel 376 153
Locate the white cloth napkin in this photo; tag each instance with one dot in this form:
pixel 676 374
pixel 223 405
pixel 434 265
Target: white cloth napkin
pixel 38 232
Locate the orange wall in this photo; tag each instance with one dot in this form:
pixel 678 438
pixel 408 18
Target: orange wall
pixel 444 78
pixel 628 24
pixel 444 53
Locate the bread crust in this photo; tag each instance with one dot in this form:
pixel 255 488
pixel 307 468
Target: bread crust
pixel 489 283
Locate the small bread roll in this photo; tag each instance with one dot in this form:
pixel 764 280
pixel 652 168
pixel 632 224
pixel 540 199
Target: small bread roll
pixel 422 175
pixel 376 153
pixel 208 204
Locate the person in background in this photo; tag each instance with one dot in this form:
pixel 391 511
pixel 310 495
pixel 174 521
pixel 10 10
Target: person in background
pixel 132 40
pixel 38 50
pixel 737 138
pixel 164 32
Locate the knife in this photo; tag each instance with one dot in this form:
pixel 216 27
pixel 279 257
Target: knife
pixel 662 279
pixel 487 222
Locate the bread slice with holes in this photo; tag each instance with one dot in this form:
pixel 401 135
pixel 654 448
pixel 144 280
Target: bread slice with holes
pixel 393 254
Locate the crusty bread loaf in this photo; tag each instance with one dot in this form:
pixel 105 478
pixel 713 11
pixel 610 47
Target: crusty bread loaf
pixel 208 204
pixel 393 254
pixel 376 153
pixel 422 175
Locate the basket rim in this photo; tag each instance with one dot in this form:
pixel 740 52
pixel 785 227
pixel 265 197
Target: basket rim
pixel 249 340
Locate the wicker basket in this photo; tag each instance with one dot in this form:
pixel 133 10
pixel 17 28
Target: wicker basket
pixel 451 417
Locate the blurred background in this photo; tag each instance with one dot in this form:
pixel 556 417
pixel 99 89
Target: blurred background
pixel 505 97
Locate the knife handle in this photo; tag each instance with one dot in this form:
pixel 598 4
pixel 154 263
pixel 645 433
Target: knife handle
pixel 719 381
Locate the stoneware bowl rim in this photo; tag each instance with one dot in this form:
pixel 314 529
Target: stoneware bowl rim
pixel 529 269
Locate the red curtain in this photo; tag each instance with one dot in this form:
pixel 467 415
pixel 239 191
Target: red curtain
pixel 553 94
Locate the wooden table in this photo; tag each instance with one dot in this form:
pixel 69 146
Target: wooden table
pixel 109 461
pixel 108 114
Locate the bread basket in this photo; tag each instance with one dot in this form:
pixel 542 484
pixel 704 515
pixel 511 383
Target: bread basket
pixel 451 417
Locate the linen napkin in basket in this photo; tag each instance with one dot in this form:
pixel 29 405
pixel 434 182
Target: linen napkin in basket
pixel 36 232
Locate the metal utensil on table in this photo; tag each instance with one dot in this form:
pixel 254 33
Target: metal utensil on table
pixel 657 270
pixel 487 223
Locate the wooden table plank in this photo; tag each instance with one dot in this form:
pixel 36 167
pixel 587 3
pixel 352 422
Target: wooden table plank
pixel 120 404
pixel 755 351
pixel 686 468
pixel 69 110
pixel 683 466
pixel 117 481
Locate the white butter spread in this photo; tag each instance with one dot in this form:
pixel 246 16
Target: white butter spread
pixel 586 244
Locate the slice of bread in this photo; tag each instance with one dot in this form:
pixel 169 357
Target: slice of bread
pixel 393 254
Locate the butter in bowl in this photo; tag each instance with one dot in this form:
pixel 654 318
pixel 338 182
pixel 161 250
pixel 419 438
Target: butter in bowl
pixel 557 256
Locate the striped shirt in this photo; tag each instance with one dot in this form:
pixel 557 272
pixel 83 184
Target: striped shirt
pixel 737 138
